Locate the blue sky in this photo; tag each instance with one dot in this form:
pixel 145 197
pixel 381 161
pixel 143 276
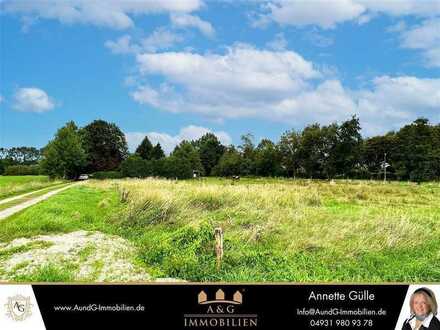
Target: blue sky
pixel 175 70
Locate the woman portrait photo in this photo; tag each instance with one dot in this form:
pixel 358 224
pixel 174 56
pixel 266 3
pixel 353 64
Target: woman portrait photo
pixel 423 306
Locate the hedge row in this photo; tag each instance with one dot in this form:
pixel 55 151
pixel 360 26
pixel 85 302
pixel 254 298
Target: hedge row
pixel 22 170
pixel 136 167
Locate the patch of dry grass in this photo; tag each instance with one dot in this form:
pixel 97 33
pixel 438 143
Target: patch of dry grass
pixel 287 217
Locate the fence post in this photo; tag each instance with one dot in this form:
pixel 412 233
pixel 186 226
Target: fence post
pixel 218 234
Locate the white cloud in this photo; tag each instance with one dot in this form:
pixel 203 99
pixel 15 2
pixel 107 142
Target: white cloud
pixel 109 13
pixel 168 142
pixel 318 39
pixel 394 101
pixel 425 37
pixel 279 43
pixel 122 45
pixel 146 95
pixel 186 20
pixel 402 7
pixel 32 99
pixel 243 83
pixel 398 27
pixel 327 14
pixel 1 99
pixel 323 13
pixel 160 38
pixel 242 70
pixel 279 86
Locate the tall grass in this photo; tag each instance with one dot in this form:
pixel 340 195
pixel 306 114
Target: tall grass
pixel 283 229
pixel 274 229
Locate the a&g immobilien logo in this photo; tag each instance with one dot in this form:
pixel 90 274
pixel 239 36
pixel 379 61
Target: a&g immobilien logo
pixel 220 312
pixel 18 307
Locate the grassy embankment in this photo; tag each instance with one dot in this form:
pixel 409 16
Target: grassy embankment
pixel 275 230
pixel 15 185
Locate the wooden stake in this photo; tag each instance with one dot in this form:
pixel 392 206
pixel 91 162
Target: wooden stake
pixel 218 234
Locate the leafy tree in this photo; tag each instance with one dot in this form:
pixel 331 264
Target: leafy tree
pixel 346 148
pixel 314 151
pixel 157 152
pixel 3 153
pixel 186 151
pixel 267 159
pixel 435 153
pixel 289 147
pixel 373 154
pixel 210 150
pixel 105 145
pixel 414 151
pixel 64 156
pixel 145 149
pixel 229 164
pixel 247 149
pixel 21 155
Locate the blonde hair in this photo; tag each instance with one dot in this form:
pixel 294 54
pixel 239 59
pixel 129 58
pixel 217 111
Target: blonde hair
pixel 430 300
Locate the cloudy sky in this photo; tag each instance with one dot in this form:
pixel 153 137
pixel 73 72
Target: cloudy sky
pixel 177 69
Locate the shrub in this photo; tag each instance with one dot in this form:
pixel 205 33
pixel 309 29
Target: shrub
pixel 136 167
pixel 101 175
pixel 175 167
pixel 22 170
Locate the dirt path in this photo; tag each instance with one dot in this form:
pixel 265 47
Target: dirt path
pixel 17 208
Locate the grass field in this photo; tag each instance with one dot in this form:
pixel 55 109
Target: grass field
pixel 274 229
pixel 16 185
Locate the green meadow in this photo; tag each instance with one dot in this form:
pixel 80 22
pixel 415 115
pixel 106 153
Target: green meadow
pixel 274 229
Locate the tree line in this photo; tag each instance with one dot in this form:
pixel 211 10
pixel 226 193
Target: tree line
pixel 318 151
pixel 23 158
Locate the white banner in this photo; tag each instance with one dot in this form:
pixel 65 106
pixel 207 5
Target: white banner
pixel 19 309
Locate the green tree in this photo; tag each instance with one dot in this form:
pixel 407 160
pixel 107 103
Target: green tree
pixel 186 151
pixel 314 151
pixel 21 155
pixel 105 145
pixel 415 151
pixel 289 147
pixel 373 154
pixel 157 152
pixel 210 150
pixel 346 148
pixel 267 159
pixel 247 149
pixel 64 156
pixel 145 149
pixel 229 164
